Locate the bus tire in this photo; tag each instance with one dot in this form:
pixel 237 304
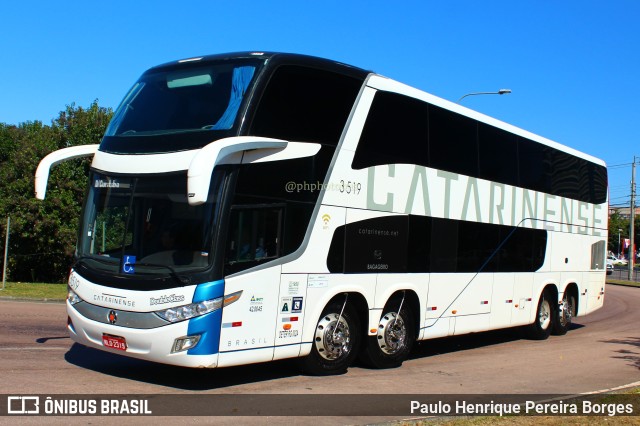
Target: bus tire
pixel 335 342
pixel 541 327
pixel 394 340
pixel 564 314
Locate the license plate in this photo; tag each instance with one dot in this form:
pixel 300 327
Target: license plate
pixel 114 342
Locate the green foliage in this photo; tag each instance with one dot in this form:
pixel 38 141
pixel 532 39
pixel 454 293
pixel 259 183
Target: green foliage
pixel 616 223
pixel 37 291
pixel 43 233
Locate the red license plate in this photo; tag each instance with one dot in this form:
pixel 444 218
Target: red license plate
pixel 114 342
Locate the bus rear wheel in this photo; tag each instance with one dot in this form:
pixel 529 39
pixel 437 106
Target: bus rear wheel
pixel 394 339
pixel 335 342
pixel 545 316
pixel 564 314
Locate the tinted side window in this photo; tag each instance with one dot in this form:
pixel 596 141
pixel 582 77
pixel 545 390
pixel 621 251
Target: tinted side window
pixel 419 253
pixel 305 104
pixel 335 258
pixel 498 154
pixel 565 177
pixel 404 130
pixel 434 245
pixel 592 182
pixel 534 164
pixel 546 169
pixel 521 250
pixel 395 132
pixel 268 220
pixel 377 245
pixel 453 142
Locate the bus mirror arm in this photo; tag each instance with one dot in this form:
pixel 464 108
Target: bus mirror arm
pixel 203 163
pixel 42 172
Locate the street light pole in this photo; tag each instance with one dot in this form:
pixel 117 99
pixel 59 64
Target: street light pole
pixel 499 92
pixel 632 253
pixel 619 231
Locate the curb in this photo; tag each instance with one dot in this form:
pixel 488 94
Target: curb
pixel 637 285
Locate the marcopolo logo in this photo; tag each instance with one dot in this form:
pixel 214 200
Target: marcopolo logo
pixel 173 298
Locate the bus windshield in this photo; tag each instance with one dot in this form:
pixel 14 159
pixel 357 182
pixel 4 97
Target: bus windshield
pixel 144 225
pixel 196 105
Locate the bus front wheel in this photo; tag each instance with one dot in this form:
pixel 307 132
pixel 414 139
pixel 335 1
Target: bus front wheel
pixel 545 316
pixel 394 339
pixel 335 342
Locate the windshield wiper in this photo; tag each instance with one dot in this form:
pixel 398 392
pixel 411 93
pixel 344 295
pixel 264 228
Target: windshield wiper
pixel 114 262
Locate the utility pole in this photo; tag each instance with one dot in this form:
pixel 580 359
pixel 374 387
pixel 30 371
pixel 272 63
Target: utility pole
pixel 6 251
pixel 632 210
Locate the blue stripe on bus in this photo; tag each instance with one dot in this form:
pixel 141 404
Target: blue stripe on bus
pixel 207 326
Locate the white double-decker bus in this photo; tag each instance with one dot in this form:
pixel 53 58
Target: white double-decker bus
pixel 251 207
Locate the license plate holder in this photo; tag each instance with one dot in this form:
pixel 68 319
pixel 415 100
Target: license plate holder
pixel 114 342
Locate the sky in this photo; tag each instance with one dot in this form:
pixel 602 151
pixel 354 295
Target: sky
pixel 572 66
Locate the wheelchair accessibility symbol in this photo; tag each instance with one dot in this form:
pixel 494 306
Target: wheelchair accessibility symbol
pixel 128 266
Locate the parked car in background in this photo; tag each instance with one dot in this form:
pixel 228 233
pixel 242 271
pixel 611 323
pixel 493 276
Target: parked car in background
pixel 615 261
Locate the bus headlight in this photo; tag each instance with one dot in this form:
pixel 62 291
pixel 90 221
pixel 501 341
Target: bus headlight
pixel 192 310
pixel 72 297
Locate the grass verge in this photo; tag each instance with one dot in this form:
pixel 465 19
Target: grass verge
pixel 623 282
pixel 38 291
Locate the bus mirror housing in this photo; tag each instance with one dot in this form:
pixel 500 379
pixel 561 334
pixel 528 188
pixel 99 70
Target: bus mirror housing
pixel 42 172
pixel 222 151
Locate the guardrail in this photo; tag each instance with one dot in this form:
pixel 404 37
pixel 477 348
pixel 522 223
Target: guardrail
pixel 623 274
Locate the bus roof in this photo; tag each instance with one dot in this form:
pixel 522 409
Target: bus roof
pixel 273 59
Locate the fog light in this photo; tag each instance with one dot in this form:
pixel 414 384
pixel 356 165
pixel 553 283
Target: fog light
pixel 184 343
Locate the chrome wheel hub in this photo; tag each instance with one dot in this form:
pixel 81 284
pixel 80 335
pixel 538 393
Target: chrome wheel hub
pixel 332 337
pixel 392 333
pixel 565 312
pixel 544 315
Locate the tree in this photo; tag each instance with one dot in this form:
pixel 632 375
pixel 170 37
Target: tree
pixel 43 234
pixel 617 222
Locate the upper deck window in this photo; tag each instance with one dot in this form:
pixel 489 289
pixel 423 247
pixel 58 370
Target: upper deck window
pixel 305 105
pixel 179 108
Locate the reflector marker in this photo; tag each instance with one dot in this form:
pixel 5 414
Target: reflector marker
pixel 484 302
pixel 290 319
pixel 509 301
pixel 432 308
pixel 232 324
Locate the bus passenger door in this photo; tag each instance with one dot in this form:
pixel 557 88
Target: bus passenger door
pixel 254 238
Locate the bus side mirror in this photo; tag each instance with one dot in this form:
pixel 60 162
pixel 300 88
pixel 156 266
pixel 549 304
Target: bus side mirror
pixel 42 172
pixel 257 150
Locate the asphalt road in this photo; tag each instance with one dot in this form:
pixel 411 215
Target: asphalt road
pixel 601 351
